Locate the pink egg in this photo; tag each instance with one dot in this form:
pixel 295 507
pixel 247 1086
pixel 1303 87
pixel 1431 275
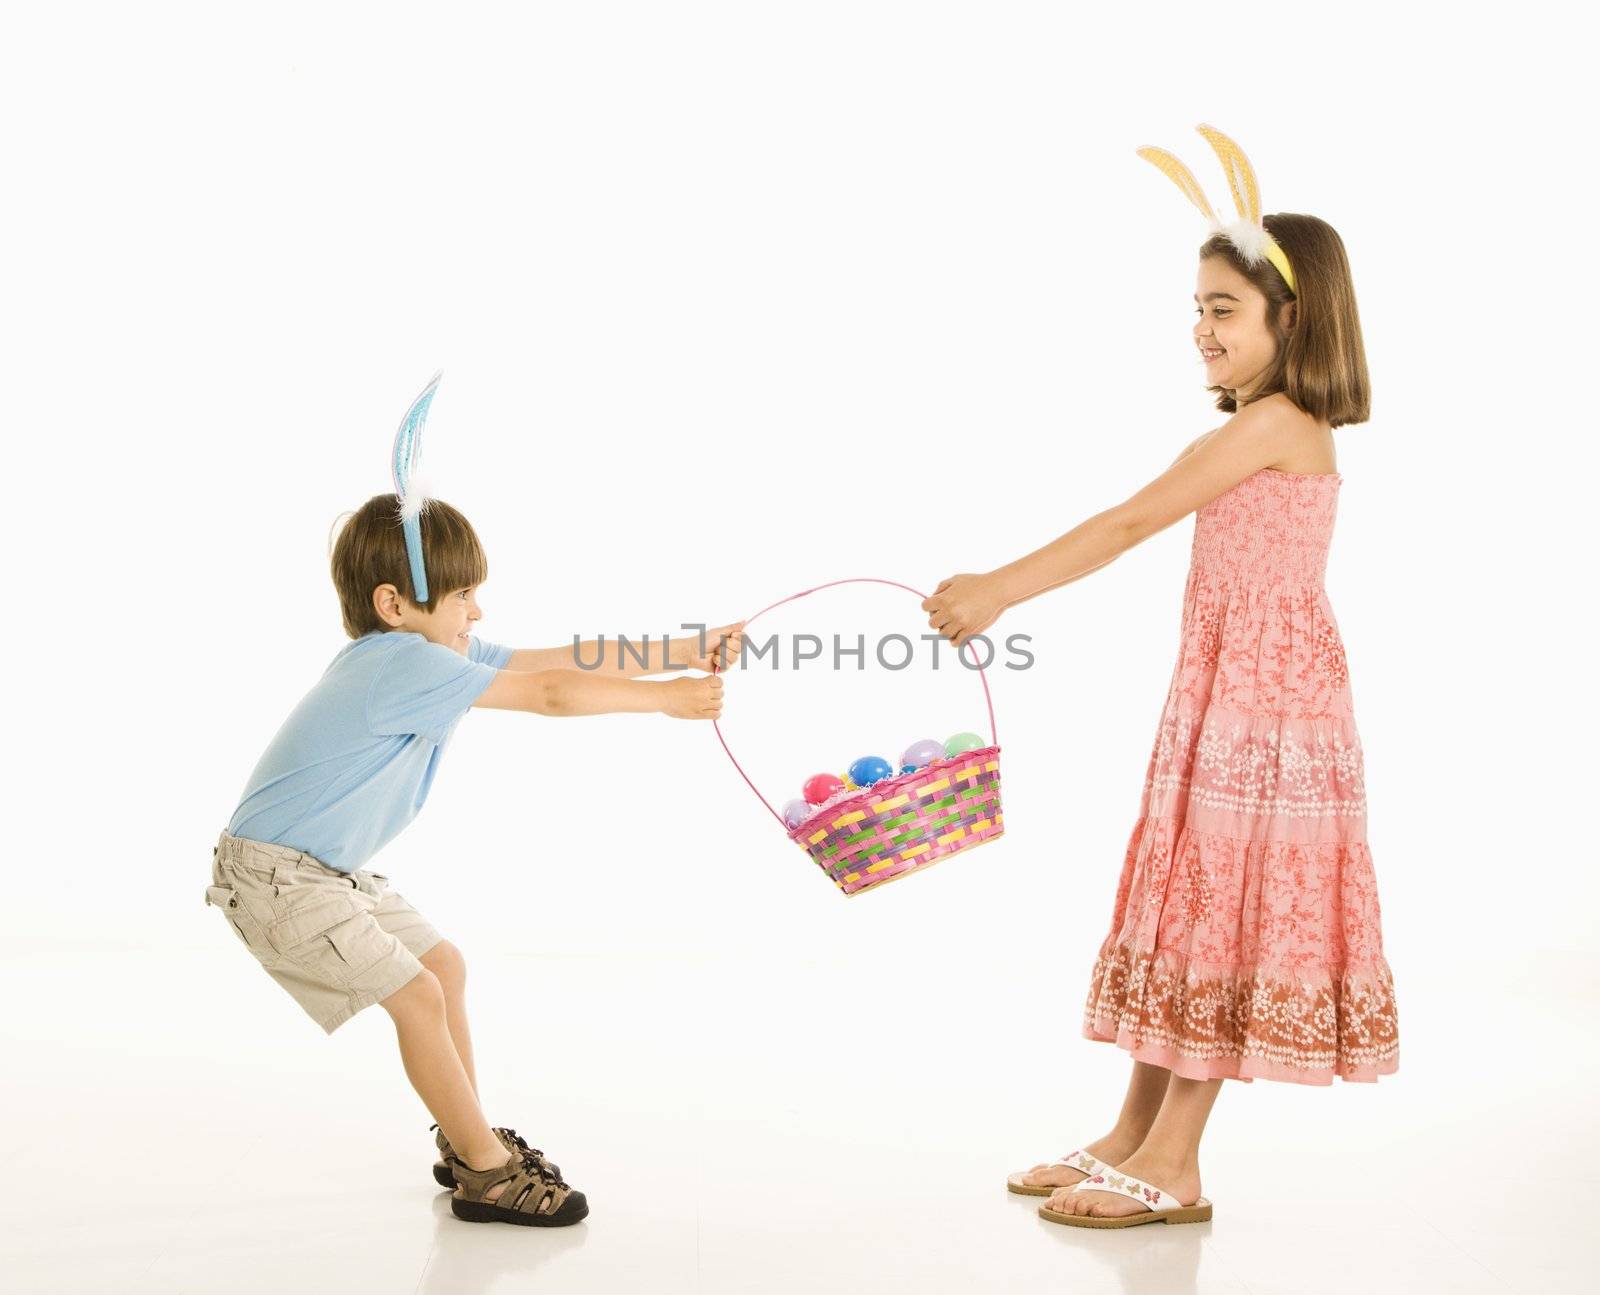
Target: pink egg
pixel 822 785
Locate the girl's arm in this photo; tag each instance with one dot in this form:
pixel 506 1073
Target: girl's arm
pixel 580 692
pixel 658 654
pixel 1254 438
pixel 1016 598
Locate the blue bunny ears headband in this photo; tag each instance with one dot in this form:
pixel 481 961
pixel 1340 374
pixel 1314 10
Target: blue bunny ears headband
pixel 409 485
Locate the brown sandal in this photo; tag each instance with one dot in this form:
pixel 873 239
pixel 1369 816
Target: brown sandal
pixel 443 1172
pixel 531 1196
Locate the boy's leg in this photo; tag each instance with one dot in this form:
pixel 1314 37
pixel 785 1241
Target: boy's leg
pixel 434 1068
pixel 447 964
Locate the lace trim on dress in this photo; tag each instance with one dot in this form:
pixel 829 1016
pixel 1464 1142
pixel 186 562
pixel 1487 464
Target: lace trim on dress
pixel 1267 766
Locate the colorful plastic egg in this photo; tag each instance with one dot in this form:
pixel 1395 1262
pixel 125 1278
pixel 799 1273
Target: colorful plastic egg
pixel 961 743
pixel 822 785
pixel 870 769
pixel 921 753
pixel 796 812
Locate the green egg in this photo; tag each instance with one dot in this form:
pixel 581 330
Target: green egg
pixel 961 743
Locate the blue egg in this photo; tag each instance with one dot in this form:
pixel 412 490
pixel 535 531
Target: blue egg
pixel 870 769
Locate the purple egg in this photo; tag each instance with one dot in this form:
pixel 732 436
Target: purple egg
pixel 796 812
pixel 923 752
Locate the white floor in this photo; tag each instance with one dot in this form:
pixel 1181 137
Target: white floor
pixel 749 1128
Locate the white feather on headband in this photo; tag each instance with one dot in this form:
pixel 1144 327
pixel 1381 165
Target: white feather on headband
pixel 418 494
pixel 1249 238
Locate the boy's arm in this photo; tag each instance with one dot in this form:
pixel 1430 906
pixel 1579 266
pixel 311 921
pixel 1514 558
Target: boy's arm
pixel 659 655
pixel 532 660
pixel 607 652
pixel 580 692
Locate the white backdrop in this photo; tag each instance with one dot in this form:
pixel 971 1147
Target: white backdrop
pixel 736 299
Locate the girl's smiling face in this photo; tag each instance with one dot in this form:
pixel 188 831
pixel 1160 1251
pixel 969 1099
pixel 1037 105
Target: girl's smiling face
pixel 1236 344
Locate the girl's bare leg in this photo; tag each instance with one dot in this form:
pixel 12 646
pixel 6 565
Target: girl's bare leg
pixel 1146 1090
pixel 1168 1158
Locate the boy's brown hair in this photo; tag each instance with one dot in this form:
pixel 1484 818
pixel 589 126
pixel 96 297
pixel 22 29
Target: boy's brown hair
pixel 1321 364
pixel 371 551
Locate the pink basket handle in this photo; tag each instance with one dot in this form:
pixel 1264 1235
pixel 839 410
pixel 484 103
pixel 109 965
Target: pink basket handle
pixel 853 580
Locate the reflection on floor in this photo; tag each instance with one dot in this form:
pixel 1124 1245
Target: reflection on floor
pixel 176 1125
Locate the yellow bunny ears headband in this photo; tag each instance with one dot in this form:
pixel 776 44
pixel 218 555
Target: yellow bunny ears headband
pixel 1247 234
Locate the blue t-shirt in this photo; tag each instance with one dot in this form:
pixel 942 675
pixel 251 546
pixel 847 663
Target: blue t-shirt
pixel 352 764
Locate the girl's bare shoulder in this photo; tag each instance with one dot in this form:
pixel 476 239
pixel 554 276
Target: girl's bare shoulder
pixel 1308 442
pixel 1307 445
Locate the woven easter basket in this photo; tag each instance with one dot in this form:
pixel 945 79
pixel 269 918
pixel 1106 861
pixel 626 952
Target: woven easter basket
pixel 902 824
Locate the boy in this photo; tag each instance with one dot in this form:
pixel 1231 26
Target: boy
pixel 352 765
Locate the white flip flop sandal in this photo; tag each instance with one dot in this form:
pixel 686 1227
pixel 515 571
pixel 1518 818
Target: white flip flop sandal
pixel 1159 1206
pixel 1079 1160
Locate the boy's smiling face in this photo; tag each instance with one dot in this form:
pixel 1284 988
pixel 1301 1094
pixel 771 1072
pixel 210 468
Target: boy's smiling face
pixel 449 624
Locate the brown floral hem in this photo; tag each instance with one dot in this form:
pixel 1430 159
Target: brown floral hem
pixel 1204 1021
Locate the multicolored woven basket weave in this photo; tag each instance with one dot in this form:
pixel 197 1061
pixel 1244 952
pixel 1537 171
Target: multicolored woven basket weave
pixel 902 824
pixel 905 823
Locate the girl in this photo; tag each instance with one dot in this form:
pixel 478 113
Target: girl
pixel 1244 939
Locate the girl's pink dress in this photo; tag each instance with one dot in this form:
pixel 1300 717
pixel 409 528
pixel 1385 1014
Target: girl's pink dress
pixel 1245 941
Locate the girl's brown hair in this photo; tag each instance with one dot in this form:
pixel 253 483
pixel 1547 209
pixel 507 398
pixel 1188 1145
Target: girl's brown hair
pixel 1321 364
pixel 371 551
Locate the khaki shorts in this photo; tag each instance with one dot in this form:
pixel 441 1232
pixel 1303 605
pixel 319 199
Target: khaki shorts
pixel 337 941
